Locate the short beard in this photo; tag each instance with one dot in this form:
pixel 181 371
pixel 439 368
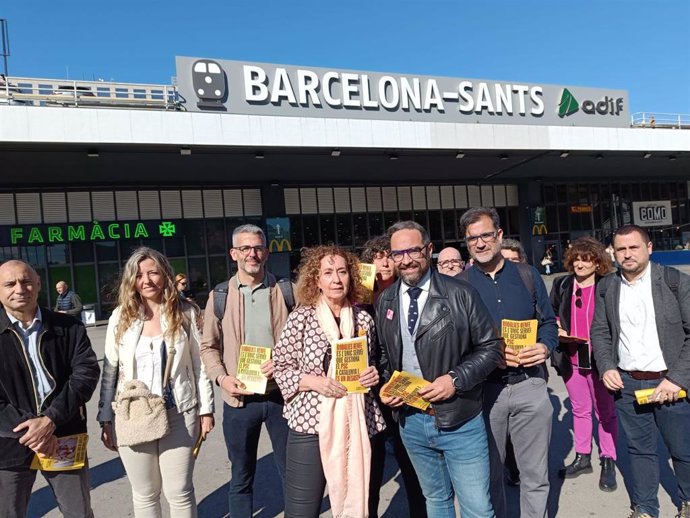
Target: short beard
pixel 412 279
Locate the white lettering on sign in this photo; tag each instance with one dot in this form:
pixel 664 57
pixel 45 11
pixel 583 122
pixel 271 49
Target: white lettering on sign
pixel 352 90
pixel 652 213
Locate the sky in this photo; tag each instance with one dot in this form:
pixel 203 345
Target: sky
pixel 642 46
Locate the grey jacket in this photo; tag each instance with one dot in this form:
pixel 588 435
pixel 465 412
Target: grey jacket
pixel 672 323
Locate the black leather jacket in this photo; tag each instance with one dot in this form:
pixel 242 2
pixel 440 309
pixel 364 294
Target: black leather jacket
pixel 72 367
pixel 455 332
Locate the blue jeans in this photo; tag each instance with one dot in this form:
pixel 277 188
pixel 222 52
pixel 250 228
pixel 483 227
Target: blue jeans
pixel 242 429
pixel 450 461
pixel 641 423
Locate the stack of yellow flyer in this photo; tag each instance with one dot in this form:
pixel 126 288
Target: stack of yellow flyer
pixel 71 454
pixel 351 358
pixel 519 334
pixel 249 367
pixel 406 386
pixel 642 396
pixel 367 273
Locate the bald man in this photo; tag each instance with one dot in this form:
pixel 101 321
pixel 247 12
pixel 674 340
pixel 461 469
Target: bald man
pixel 49 371
pixel 450 261
pixel 67 301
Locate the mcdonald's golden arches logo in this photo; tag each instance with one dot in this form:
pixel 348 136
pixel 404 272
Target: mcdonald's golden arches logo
pixel 283 245
pixel 539 229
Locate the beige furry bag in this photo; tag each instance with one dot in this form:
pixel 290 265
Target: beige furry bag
pixel 140 416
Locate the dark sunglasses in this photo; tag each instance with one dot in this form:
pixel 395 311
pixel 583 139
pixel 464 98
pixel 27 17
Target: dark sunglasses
pixel 578 298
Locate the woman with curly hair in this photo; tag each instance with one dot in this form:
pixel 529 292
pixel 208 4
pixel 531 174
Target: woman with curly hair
pixel 573 299
pixel 153 337
pixel 328 440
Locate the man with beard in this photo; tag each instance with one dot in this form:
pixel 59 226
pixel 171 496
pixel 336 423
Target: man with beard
pixel 437 328
pixel 516 402
pixel 251 308
pixel 641 340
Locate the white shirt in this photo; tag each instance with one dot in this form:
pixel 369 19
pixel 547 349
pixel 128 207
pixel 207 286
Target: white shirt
pixel 148 363
pixel 638 343
pixel 424 284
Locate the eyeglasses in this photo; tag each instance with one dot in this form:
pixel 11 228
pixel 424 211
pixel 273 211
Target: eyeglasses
pixel 578 298
pixel 450 263
pixel 413 253
pixel 244 250
pixel 486 237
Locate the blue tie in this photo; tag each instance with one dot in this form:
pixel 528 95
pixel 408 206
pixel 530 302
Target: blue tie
pixel 413 313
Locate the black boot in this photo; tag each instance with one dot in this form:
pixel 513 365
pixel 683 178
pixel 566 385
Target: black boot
pixel 607 479
pixel 581 464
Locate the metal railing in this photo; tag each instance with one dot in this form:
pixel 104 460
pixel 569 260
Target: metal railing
pixel 660 120
pixel 55 92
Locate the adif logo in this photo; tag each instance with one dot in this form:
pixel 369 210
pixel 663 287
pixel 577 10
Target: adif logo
pixel 569 105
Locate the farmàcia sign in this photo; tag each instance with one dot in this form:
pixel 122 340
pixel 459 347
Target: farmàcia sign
pixel 94 231
pixel 223 86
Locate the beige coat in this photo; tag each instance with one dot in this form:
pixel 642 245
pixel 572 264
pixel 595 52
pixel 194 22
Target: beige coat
pixel 233 332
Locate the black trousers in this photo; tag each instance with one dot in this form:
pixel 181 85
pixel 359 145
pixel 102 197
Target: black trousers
pixel 305 482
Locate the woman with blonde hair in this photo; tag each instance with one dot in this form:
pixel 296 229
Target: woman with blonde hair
pixel 153 337
pixel 328 440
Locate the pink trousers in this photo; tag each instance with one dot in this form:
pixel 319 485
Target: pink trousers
pixel 586 391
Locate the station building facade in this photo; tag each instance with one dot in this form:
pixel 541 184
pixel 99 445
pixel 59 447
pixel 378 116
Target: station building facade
pixel 321 156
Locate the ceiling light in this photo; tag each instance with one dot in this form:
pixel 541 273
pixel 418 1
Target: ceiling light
pixel 92 153
pixel 185 151
pixel 460 154
pixel 647 155
pixel 599 156
pixel 259 154
pixel 335 152
pixel 672 157
pixel 503 156
pixel 564 154
pixel 393 156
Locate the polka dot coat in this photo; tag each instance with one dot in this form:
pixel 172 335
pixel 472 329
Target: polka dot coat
pixel 302 349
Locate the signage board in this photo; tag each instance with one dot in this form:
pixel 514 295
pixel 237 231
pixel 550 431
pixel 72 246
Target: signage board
pixel 36 235
pixel 278 234
pixel 652 213
pixel 580 209
pixel 224 86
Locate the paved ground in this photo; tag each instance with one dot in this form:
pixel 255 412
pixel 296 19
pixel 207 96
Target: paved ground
pixel 569 499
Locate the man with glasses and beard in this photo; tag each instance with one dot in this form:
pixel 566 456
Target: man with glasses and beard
pixel 255 310
pixel 516 402
pixel 437 328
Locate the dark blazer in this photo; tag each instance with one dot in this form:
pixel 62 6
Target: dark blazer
pixel 672 324
pixel 455 332
pixel 72 368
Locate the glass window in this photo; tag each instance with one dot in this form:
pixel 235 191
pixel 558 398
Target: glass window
pixel 513 219
pixel 215 236
pixel 218 269
pixel 194 237
pixel 82 252
pixel 435 225
pixel 389 218
pixel 109 276
pixel 344 229
pixel 85 283
pixel 360 228
pixel 127 246
pixel 327 222
pixel 156 243
pixel 179 265
pixel 198 279
pixel 311 230
pixel 296 232
pixel 58 254
pixel 420 217
pixel 57 274
pixel 376 226
pixel 45 291
pixel 106 250
pixel 449 225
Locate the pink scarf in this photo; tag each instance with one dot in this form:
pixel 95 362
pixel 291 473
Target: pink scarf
pixel 343 436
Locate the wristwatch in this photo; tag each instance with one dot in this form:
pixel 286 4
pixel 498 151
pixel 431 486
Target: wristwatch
pixel 456 380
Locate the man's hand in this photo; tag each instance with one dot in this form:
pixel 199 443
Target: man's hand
pixel 392 401
pixel 234 387
pixel 267 368
pixel 48 448
pixel 510 357
pixel 533 355
pixel 666 392
pixel 38 431
pixel 612 380
pixel 440 389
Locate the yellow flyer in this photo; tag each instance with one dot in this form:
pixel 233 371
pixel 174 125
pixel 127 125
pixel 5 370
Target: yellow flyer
pixel 519 334
pixel 249 367
pixel 642 396
pixel 71 454
pixel 406 386
pixel 367 273
pixel 351 358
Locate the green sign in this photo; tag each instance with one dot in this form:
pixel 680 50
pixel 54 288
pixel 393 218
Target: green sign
pixel 84 232
pixel 568 104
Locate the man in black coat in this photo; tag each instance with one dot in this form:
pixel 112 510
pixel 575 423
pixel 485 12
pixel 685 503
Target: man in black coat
pixel 48 371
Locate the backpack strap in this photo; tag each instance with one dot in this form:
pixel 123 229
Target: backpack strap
pixel 285 286
pixel 672 280
pixel 525 271
pixel 220 299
